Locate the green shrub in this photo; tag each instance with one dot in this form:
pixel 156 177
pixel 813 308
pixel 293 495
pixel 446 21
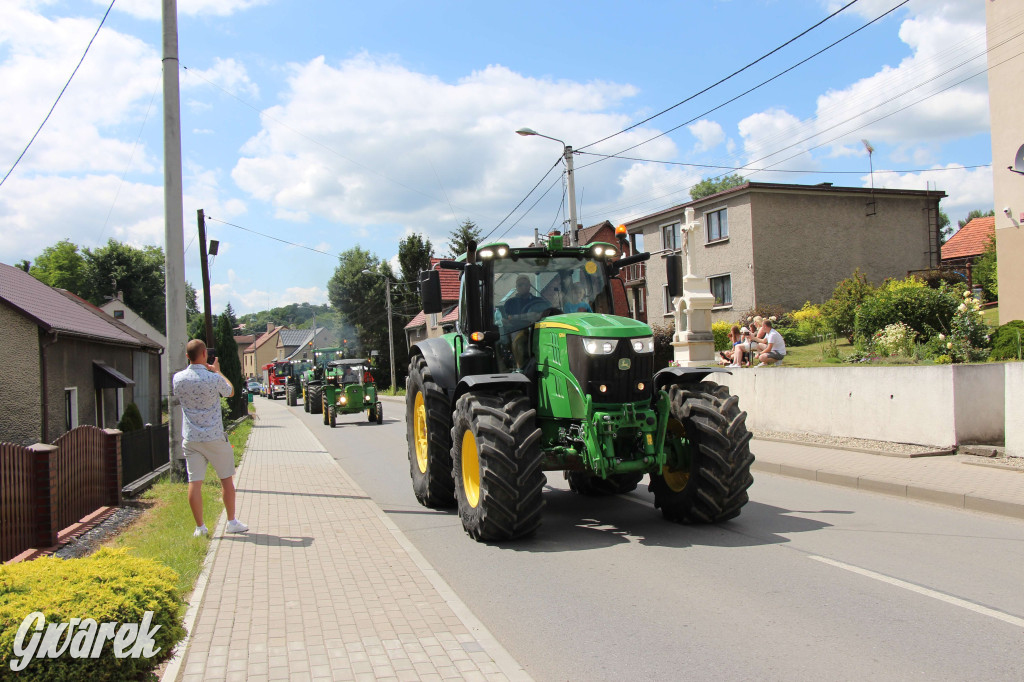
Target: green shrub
pixel 109 586
pixel 1008 341
pixel 721 332
pixel 926 311
pixel 839 312
pixel 664 351
pixel 795 336
pixel 131 420
pixel 895 340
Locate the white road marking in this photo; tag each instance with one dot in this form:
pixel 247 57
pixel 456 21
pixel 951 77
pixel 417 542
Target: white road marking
pixel 962 603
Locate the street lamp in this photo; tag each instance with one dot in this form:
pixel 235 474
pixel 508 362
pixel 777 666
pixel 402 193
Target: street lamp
pixel 567 150
pixel 391 337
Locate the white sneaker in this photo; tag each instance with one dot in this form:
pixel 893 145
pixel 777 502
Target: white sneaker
pixel 200 532
pixel 236 526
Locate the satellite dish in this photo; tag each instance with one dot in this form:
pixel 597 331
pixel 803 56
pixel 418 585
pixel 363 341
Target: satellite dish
pixel 1018 161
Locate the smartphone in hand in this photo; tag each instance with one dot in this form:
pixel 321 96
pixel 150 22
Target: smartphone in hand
pixel 211 355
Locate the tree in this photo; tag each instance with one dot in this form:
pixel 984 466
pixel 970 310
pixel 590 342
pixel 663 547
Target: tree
pixel 63 267
pixel 945 231
pixel 191 301
pixel 414 254
pixel 230 312
pixel 709 186
pixel 230 366
pixel 985 269
pixel 975 213
pixel 458 240
pixel 137 273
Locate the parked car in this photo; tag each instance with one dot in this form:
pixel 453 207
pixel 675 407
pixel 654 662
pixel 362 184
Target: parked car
pixel 253 386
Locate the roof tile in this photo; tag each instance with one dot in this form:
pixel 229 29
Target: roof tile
pixel 971 239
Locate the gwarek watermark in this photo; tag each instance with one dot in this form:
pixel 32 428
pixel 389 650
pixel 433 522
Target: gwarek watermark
pixel 82 638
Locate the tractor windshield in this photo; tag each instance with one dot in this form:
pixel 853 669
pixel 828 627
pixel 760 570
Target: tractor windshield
pixel 283 370
pixel 524 290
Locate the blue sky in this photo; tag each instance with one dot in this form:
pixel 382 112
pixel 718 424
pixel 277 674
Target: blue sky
pixel 330 124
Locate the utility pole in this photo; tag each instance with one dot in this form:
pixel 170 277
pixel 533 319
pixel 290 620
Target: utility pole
pixel 174 239
pixel 205 267
pixel 572 195
pixel 391 337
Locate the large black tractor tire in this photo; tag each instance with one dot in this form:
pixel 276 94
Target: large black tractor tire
pixel 325 409
pixel 305 401
pixel 380 413
pixel 496 461
pixel 292 402
pixel 332 416
pixel 428 419
pixel 314 394
pixel 585 483
pixel 713 488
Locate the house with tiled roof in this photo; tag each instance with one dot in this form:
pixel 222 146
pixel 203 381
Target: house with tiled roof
pixel 424 326
pixel 969 242
pixel 262 351
pixel 297 344
pixel 75 364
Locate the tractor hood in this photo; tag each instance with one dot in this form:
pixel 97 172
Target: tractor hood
pixel 595 325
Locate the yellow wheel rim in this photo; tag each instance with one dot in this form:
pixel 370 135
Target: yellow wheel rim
pixel 676 480
pixel 470 469
pixel 419 416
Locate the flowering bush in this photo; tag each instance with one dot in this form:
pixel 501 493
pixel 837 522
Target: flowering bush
pixel 895 339
pixel 968 337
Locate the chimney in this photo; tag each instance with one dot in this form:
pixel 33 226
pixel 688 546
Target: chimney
pixel 270 327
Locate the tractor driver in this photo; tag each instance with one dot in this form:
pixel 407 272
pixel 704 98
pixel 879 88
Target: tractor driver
pixel 523 299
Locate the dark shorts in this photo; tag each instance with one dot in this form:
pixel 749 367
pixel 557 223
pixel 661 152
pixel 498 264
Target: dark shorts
pixel 775 355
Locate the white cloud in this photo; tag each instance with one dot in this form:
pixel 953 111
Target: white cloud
pixel 260 299
pixel 968 188
pixel 709 134
pixel 369 143
pixel 227 74
pixel 761 133
pixel 151 9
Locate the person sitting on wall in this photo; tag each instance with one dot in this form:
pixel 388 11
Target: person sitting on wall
pixel 775 349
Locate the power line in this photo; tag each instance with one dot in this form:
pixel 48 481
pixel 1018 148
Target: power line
pixel 47 118
pixel 268 236
pixel 734 73
pixel 495 228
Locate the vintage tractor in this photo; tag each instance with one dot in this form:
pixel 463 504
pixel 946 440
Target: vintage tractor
pixel 294 384
pixel 349 388
pixel 523 387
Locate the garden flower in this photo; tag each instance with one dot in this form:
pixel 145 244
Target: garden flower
pixel 962 307
pixel 773 318
pixel 967 294
pixel 942 337
pixel 949 345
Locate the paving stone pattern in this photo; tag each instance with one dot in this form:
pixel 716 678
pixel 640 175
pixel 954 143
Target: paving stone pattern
pixel 320 588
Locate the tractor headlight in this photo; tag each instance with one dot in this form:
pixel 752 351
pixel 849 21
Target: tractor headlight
pixel 366 398
pixel 600 346
pixel 643 345
pixel 343 400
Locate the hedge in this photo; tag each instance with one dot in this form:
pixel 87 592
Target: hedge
pixel 109 586
pixel 926 311
pixel 1007 341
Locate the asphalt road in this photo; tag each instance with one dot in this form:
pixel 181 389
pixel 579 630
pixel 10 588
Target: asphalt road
pixel 811 582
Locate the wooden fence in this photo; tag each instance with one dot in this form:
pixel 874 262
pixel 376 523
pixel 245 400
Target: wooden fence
pixel 45 488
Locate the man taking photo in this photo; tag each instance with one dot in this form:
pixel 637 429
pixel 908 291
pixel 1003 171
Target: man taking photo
pixel 199 388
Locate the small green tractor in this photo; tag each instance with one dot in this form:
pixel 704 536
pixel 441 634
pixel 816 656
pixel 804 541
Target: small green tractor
pixel 294 384
pixel 524 386
pixel 349 388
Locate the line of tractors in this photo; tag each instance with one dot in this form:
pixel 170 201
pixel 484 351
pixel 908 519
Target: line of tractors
pixel 332 385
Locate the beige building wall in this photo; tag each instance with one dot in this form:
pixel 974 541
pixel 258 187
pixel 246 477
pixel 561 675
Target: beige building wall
pixel 805 244
pixel 135 321
pixel 21 405
pixel 1005 85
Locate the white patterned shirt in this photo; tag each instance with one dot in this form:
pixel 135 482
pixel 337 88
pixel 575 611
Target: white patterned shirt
pixel 199 391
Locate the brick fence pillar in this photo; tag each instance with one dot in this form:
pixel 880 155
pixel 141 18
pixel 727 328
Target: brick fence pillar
pixel 44 493
pixel 112 473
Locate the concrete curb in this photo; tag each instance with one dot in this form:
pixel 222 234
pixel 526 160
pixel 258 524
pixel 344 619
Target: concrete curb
pixel 941 452
pixel 949 498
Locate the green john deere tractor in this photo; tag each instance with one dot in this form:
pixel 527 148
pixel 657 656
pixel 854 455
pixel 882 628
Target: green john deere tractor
pixel 541 375
pixel 293 387
pixel 312 379
pixel 349 388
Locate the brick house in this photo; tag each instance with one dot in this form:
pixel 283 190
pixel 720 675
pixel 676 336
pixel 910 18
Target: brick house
pixel 74 364
pixel 262 351
pixel 780 244
pixel 424 326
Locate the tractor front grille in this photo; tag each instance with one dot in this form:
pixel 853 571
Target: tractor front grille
pixel 621 385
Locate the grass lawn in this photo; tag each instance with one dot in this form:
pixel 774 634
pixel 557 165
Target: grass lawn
pixel 991 316
pixel 164 532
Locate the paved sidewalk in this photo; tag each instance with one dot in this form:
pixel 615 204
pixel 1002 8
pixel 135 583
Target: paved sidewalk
pixel 944 480
pixel 324 586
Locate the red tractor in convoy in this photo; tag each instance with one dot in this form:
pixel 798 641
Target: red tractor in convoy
pixel 275 378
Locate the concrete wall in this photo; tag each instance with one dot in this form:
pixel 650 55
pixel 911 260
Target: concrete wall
pixel 20 392
pixel 1014 408
pixel 941 406
pixel 1005 84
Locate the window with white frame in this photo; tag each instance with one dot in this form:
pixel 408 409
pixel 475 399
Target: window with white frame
pixel 717 224
pixel 433 319
pixel 721 287
pixel 671 236
pixel 70 408
pixel 636 239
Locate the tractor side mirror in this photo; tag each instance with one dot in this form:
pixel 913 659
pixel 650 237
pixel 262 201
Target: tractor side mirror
pixel 674 272
pixel 430 291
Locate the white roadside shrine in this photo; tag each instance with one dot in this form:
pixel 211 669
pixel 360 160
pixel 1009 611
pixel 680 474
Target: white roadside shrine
pixel 693 339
